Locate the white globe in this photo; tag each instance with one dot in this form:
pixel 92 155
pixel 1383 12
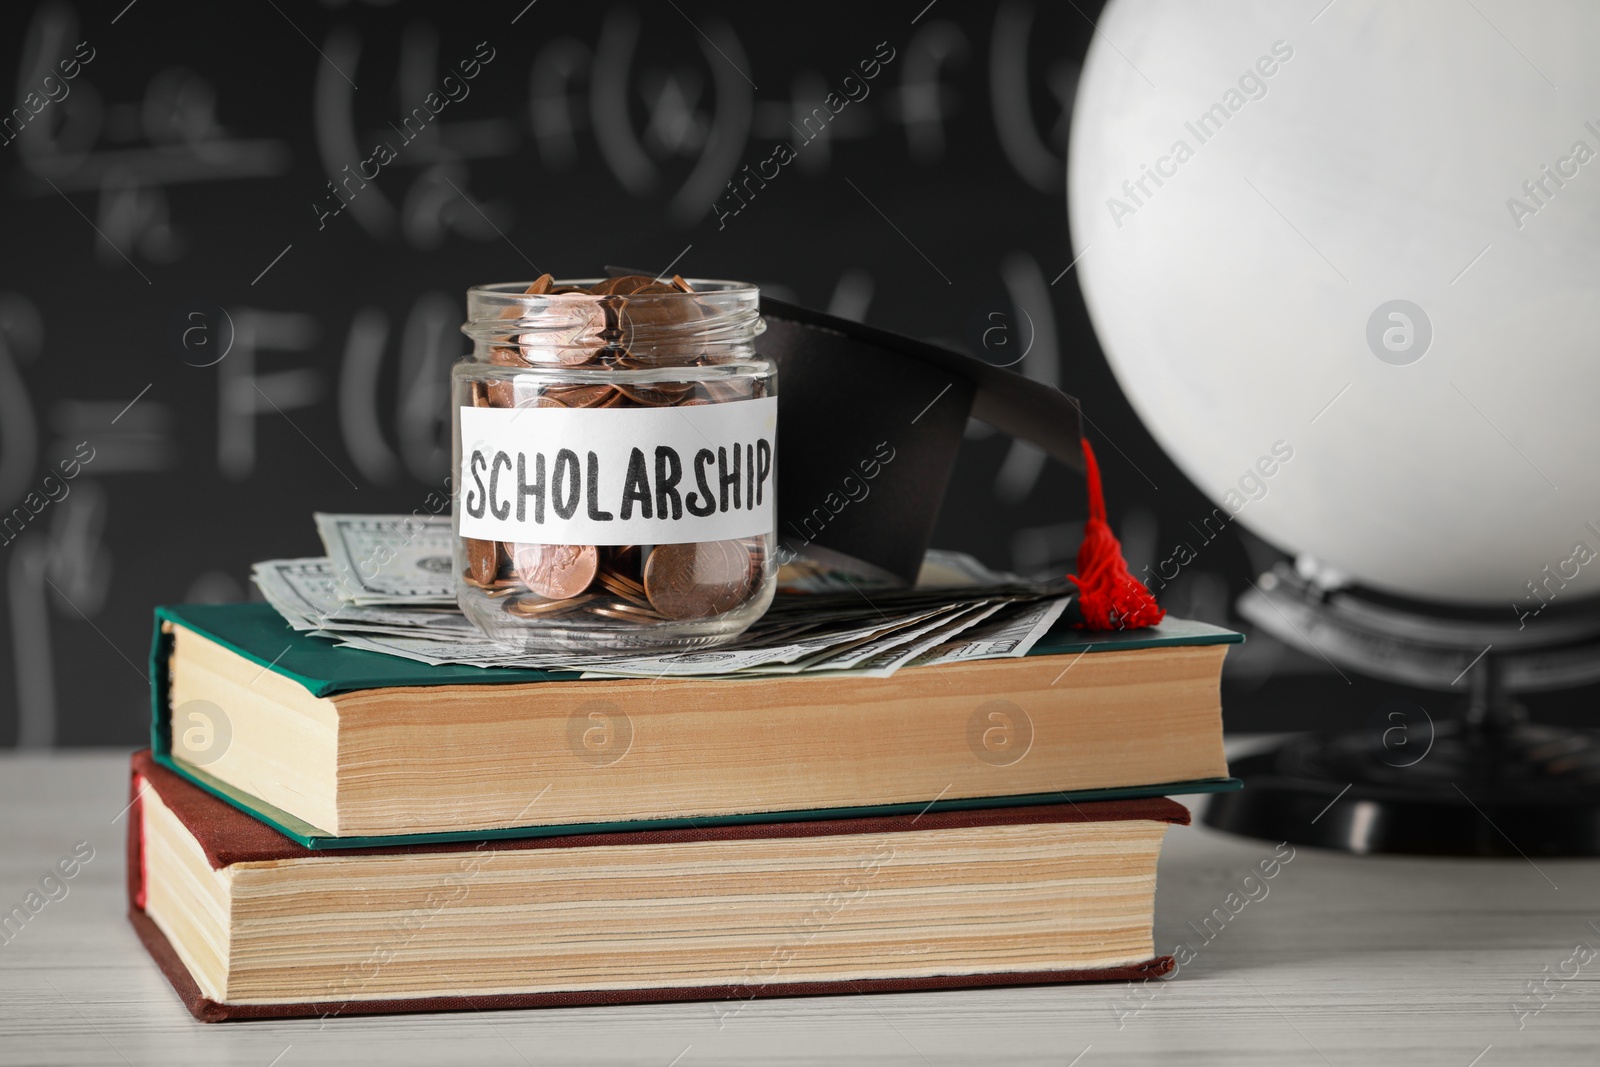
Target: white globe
pixel 1447 447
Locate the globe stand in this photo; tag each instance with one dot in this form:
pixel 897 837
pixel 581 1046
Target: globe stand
pixel 1484 782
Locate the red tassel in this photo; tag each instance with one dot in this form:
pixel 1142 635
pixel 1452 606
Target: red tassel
pixel 1109 598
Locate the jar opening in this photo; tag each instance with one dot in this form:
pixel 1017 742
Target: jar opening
pixel 716 321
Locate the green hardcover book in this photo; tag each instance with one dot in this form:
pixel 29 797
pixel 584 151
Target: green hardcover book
pixel 340 748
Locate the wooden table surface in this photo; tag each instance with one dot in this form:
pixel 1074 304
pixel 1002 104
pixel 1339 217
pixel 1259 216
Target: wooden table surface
pixel 1344 960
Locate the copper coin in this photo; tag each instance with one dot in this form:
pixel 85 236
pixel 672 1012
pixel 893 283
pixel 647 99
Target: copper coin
pixel 614 581
pixel 586 341
pixel 625 561
pixel 660 308
pixel 695 581
pixel 547 608
pixel 580 396
pixel 511 355
pixel 623 602
pixel 558 572
pixel 628 283
pixel 576 355
pixel 483 560
pixel 501 587
pixel 501 393
pixel 655 394
pixel 626 613
pixel 510 393
pixel 757 548
pixel 683 286
pixel 633 594
pixel 584 335
pixel 619 574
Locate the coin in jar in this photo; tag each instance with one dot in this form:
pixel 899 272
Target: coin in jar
pixel 623 612
pixel 621 286
pixel 663 315
pixel 483 560
pixel 757 548
pixel 694 581
pixel 533 609
pixel 625 560
pixel 580 396
pixel 623 588
pixel 655 394
pixel 556 571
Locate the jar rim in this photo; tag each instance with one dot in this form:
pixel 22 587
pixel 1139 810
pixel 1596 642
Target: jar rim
pixel 701 286
pixel 716 319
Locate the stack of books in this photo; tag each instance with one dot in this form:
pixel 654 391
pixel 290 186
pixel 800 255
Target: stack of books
pixel 322 830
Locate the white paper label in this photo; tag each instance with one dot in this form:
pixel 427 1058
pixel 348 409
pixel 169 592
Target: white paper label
pixel 618 476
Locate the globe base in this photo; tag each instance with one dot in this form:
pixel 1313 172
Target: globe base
pixel 1486 783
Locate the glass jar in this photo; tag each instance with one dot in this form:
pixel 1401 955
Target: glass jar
pixel 615 455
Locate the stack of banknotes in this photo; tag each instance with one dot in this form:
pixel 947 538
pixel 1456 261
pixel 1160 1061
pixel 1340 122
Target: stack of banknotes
pixel 386 586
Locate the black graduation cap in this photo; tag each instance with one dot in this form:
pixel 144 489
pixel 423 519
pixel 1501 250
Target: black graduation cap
pixel 850 395
pixel 869 424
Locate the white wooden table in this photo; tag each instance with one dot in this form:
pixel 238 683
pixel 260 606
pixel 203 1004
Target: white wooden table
pixel 1346 960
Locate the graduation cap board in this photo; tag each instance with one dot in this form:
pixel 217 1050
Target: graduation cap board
pixel 869 425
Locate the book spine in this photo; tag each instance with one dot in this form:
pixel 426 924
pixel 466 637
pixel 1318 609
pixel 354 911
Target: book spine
pixel 137 873
pixel 160 685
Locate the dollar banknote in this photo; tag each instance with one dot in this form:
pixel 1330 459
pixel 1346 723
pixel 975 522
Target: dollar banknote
pixel 386 586
pixel 382 559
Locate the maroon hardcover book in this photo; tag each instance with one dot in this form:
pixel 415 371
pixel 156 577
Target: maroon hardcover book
pixel 228 836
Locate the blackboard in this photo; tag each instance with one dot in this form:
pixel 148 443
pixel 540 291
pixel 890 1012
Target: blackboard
pixel 224 306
